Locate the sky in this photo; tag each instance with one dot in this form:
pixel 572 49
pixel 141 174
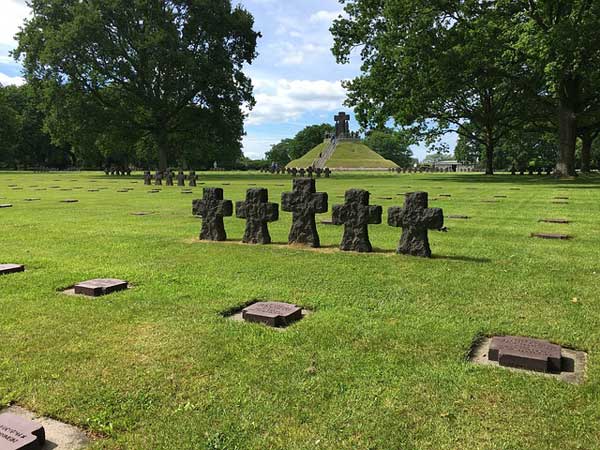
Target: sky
pixel 297 81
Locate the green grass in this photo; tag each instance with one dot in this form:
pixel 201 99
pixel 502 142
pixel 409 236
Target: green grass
pixel 347 155
pixel 379 365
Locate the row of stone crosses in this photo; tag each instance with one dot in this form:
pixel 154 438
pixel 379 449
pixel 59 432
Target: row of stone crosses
pixel 301 172
pixel 169 176
pixel 304 202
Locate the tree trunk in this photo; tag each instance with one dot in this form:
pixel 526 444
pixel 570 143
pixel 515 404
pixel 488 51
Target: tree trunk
pixel 162 142
pixel 489 155
pixel 565 166
pixel 586 151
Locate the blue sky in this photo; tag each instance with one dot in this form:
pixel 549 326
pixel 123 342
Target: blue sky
pixel 297 81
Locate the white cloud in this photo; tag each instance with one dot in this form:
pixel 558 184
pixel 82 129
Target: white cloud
pixel 5 80
pixel 286 100
pixel 325 16
pixel 13 14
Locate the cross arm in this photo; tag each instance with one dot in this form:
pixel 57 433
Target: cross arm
pixel 395 216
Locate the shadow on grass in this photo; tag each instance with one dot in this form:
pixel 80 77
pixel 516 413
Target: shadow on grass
pixel 463 259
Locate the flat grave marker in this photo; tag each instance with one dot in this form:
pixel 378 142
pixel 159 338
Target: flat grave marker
pixel 6 269
pixel 273 314
pixel 525 353
pixel 57 435
pixel 69 200
pixel 5 205
pixel 18 433
pixel 32 199
pixel 99 287
pixel 457 216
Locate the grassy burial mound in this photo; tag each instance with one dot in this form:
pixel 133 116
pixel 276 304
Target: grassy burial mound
pixel 347 155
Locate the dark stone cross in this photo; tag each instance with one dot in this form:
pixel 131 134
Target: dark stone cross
pixel 180 178
pixel 147 178
pixel 169 178
pixel 415 219
pixel 342 126
pixel 356 215
pixel 304 202
pixel 258 212
pixel 327 172
pixel 158 178
pixel 193 179
pixel 212 208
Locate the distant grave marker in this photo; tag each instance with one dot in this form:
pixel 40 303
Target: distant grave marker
pixel 563 221
pixel 525 353
pixel 273 314
pixel 6 269
pixel 32 199
pixel 141 213
pixel 500 196
pixel 212 208
pixel 69 200
pixel 100 286
pixel 551 236
pixel 18 433
pixel 5 205
pixel 455 216
pixel 560 202
pixel 356 214
pixel 561 198
pixel 415 218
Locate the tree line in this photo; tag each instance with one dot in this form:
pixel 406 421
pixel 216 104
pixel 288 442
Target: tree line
pixel 518 80
pixel 154 83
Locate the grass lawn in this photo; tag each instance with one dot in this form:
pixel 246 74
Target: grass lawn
pixel 348 155
pixel 379 365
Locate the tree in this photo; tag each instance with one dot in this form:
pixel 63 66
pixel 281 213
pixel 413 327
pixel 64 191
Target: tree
pixel 437 66
pixel 164 72
pixel 560 44
pixel 391 144
pixel 9 128
pixel 280 153
pixel 308 138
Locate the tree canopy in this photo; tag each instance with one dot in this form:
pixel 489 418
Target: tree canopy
pixel 161 76
pixel 480 69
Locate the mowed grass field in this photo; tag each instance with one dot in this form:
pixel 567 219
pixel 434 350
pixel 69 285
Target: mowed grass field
pixel 380 364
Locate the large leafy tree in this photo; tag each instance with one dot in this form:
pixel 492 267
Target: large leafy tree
pixel 165 73
pixel 392 144
pixel 437 65
pixel 560 45
pixel 280 152
pixel 308 138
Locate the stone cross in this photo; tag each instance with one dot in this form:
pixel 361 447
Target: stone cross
pixel 342 126
pixel 258 212
pixel 309 171
pixel 415 219
pixel 169 178
pixel 301 172
pixel 181 178
pixel 327 172
pixel 356 215
pixel 158 178
pixel 212 208
pixel 147 178
pixel 294 172
pixel 304 202
pixel 193 178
